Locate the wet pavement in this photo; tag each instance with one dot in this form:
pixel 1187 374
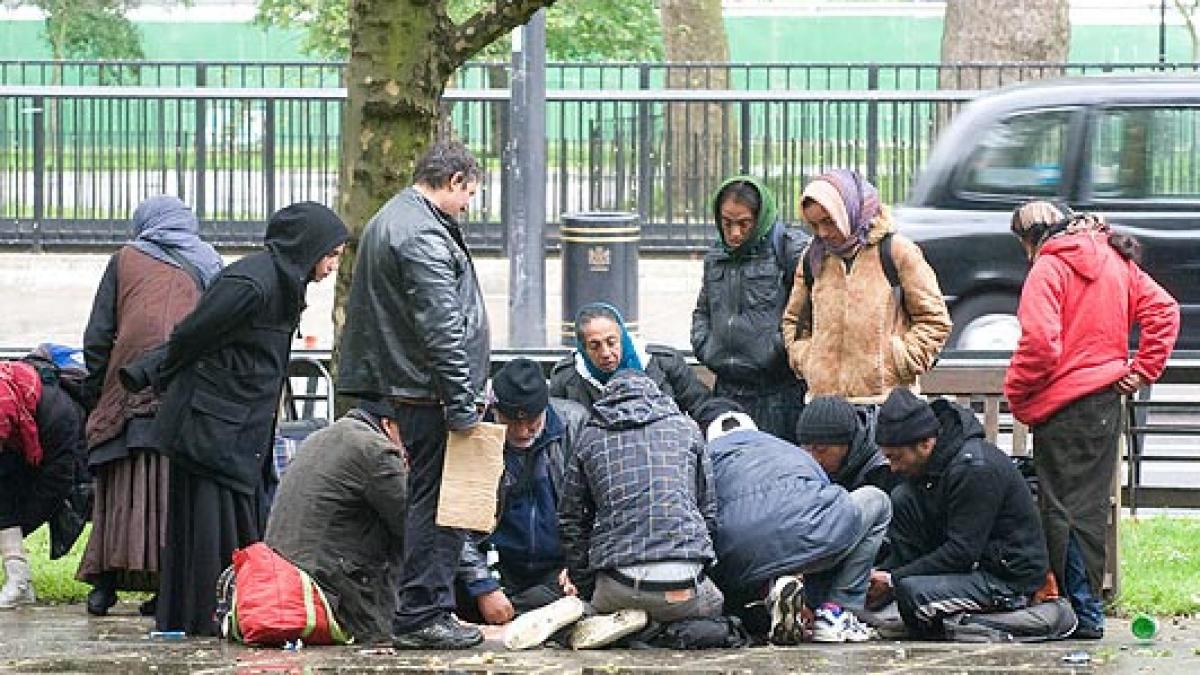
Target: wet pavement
pixel 63 639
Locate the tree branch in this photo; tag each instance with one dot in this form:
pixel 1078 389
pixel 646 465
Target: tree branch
pixel 489 23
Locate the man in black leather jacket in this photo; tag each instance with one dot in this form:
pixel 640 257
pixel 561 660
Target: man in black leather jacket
pixel 416 333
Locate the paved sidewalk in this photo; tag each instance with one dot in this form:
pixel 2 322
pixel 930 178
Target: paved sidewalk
pixel 47 297
pixel 64 639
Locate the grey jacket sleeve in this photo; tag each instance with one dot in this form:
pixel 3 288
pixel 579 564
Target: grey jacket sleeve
pixel 701 321
pixel 706 494
pixel 575 515
pixel 430 288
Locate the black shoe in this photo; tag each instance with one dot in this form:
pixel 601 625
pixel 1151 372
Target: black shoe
pixel 100 599
pixel 149 607
pixel 442 633
pixel 1083 632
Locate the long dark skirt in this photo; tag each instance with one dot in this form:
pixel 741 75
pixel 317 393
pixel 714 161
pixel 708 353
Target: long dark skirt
pixel 129 522
pixel 1075 454
pixel 206 522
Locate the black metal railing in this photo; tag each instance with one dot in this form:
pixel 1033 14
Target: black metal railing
pixel 75 161
pixel 575 75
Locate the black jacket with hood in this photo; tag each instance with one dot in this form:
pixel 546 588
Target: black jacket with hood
pixel 224 366
pixel 735 325
pixel 639 487
pixel 971 491
pixel 416 326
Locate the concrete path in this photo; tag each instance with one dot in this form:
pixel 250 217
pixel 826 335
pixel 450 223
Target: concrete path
pixel 64 639
pixel 47 297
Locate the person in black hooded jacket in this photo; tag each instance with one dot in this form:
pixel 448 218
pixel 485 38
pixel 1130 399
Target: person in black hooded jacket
pixel 222 372
pixel 965 531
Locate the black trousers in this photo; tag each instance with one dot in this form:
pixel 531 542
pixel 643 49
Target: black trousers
pixel 924 601
pixel 775 410
pixel 29 496
pixel 431 553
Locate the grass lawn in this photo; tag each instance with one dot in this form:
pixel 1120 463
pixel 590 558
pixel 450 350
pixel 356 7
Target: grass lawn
pixel 1160 567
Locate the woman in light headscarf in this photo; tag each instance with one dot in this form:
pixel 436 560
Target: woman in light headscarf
pixel 603 346
pixel 150 284
pixel 865 314
pixel 1084 293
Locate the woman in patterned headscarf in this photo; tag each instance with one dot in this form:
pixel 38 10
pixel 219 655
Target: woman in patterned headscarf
pixel 150 284
pixel 853 334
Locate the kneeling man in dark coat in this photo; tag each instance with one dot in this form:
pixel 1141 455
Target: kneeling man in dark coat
pixel 339 515
pixel 965 531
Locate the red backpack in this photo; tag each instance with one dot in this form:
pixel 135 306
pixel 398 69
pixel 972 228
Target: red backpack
pixel 274 602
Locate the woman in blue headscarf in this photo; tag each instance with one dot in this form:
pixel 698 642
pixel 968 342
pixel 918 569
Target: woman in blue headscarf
pixel 603 346
pixel 150 284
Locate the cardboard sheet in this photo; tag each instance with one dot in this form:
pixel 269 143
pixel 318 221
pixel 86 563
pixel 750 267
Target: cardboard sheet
pixel 471 477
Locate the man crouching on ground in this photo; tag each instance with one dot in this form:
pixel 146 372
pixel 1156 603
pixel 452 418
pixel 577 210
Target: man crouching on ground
pixel 965 532
pixel 638 505
pixel 339 515
pixel 540 434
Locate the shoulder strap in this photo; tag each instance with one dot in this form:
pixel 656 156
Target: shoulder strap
pixel 889 263
pixel 186 265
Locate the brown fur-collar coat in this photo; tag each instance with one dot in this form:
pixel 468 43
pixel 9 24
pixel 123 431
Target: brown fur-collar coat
pixel 859 344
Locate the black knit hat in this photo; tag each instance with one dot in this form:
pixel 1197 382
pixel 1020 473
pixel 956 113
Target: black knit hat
pixel 827 420
pixel 905 419
pixel 520 389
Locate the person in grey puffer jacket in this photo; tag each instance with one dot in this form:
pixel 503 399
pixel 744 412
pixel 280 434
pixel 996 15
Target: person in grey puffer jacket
pixel 638 503
pixel 748 275
pixel 416 334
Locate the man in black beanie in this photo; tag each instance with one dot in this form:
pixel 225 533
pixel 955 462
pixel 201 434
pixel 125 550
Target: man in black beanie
pixel 965 533
pixel 539 435
pixel 839 436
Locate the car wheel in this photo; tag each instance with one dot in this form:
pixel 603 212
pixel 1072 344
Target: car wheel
pixel 986 322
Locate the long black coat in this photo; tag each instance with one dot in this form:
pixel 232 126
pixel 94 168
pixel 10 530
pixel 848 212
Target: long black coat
pixel 225 363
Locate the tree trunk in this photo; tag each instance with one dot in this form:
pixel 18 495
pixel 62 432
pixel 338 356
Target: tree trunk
pixel 700 145
pixel 402 53
pixel 393 91
pixel 1012 31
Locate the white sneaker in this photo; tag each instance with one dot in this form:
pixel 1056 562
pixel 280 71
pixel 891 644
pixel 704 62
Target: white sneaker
pixel 603 630
pixel 785 602
pixel 533 628
pixel 834 624
pixel 18 585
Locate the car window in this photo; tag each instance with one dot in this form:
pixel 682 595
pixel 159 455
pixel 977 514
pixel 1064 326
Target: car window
pixel 1020 155
pixel 1145 153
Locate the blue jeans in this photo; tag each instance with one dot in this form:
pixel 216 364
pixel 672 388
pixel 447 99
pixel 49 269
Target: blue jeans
pixel 1087 606
pixel 845 583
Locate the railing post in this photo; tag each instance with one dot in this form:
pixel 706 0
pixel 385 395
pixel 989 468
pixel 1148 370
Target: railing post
pixel 39 170
pixel 645 190
pixel 873 127
pixel 201 146
pixel 744 167
pixel 268 154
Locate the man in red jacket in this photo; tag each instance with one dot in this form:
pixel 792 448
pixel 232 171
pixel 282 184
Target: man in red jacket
pixel 1084 293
